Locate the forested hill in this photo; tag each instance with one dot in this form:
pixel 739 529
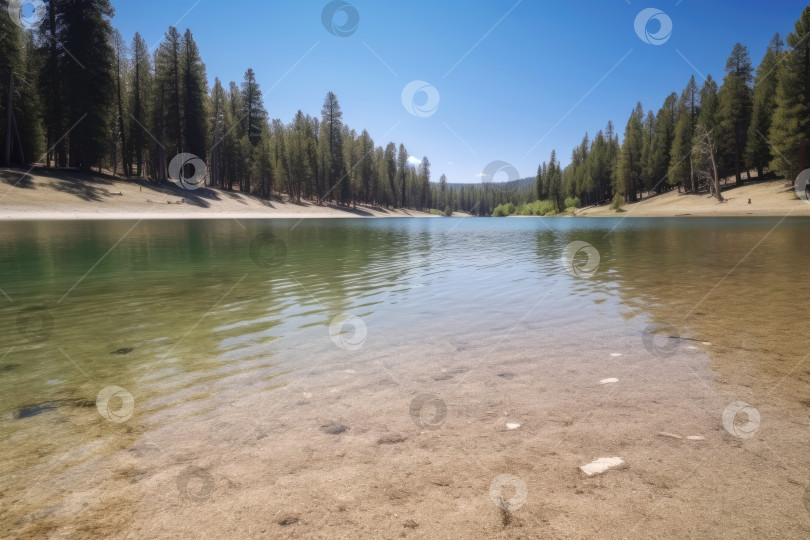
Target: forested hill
pixel 509 185
pixel 82 97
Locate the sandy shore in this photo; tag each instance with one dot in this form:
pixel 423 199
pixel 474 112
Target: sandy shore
pixel 45 194
pixel 767 198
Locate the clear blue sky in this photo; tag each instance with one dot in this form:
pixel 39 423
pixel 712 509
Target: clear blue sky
pixel 507 93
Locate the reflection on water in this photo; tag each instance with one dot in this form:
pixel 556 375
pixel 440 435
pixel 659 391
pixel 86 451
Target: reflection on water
pixel 188 315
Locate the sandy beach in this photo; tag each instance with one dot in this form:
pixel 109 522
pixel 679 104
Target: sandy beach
pixel 767 198
pixel 62 194
pixel 46 195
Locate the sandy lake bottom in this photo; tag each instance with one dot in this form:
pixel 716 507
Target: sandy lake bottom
pixel 440 378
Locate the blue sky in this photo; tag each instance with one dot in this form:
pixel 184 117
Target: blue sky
pixel 549 70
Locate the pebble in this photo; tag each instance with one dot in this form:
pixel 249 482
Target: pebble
pixel 600 465
pixel 512 426
pixel 615 354
pixel 676 436
pixel 608 381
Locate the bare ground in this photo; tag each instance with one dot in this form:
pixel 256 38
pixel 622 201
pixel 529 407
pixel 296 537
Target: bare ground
pixel 66 194
pixel 767 198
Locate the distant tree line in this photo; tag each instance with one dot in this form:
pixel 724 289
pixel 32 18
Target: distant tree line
pixel 81 97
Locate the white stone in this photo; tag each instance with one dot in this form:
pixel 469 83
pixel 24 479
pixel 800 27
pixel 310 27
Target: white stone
pixel 512 426
pixel 600 465
pixel 608 381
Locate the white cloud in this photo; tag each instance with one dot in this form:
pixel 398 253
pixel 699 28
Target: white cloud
pixel 414 160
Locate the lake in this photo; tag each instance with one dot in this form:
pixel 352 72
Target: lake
pixel 345 377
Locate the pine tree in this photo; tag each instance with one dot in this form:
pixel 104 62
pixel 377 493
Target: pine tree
pixel 169 100
pixel 279 155
pixel 538 183
pixel 51 84
pixel 337 185
pixel 735 105
pixel 140 101
pixel 680 169
pixel 261 167
pixel 649 128
pixel 790 129
pixel 86 32
pixel 120 124
pixel 28 118
pixel 391 171
pixel 757 151
pixel 220 127
pixel 630 164
pixel 402 175
pixel 20 111
pixel 312 157
pixel 235 140
pixel 443 199
pixel 554 175
pixel 254 115
pixel 710 105
pixel 659 159
pixel 194 92
pixel 424 177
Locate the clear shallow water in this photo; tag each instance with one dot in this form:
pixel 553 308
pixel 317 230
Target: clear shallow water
pixel 188 315
pixel 179 300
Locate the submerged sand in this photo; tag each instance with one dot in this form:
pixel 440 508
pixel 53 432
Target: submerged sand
pixel 335 450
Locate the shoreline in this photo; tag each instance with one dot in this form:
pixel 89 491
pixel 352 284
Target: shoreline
pixel 51 195
pixel 62 195
pixel 35 215
pixel 756 198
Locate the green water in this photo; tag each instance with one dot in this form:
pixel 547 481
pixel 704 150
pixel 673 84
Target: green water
pixel 140 302
pixel 187 315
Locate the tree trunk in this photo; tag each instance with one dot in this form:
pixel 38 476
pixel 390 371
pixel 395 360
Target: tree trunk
pixel 161 173
pixel 692 174
pixel 737 172
pixel 9 109
pixel 716 177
